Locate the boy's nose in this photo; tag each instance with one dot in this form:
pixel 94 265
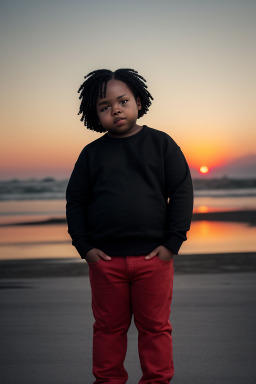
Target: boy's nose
pixel 116 110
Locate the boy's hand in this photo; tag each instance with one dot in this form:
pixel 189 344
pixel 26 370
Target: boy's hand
pixel 94 255
pixel 162 252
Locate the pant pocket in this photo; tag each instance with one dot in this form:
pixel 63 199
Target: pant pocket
pixel 96 263
pixel 167 262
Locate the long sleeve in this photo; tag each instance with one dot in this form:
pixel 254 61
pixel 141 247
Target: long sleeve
pixel 77 196
pixel 179 189
pixel 118 191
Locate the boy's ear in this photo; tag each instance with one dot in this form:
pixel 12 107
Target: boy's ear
pixel 138 103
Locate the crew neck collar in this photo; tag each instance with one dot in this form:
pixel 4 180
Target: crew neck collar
pixel 127 137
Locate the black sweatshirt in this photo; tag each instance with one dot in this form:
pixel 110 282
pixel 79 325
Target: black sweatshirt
pixel 126 196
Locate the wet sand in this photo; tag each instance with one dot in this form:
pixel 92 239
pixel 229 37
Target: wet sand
pixel 183 264
pixel 46 330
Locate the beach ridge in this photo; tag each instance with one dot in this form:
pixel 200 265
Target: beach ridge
pixel 240 216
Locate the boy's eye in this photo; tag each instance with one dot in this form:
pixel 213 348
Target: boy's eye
pixel 104 108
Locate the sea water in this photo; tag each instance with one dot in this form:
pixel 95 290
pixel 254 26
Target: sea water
pixel 35 202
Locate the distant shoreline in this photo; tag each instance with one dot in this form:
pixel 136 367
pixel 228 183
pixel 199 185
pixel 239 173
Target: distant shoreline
pixel 238 216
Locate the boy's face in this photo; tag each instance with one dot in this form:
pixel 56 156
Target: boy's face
pixel 118 111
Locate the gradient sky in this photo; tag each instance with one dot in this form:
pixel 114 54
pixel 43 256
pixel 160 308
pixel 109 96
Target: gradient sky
pixel 198 57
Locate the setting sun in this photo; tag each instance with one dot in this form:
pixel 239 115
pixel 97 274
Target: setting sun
pixel 204 169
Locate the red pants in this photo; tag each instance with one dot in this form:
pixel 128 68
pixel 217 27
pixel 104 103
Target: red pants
pixel 121 287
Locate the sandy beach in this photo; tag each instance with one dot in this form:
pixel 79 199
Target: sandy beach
pixel 46 330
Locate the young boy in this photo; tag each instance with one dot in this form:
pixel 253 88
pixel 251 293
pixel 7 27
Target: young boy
pixel 129 206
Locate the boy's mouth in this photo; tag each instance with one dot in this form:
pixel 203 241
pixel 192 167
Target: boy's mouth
pixel 119 120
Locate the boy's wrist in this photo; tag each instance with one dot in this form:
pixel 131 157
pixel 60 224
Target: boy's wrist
pixel 82 248
pixel 169 250
pixel 174 244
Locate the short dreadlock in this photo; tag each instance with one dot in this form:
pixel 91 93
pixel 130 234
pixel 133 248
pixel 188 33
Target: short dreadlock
pixel 95 86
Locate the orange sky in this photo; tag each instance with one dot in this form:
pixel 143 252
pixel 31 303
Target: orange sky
pixel 199 66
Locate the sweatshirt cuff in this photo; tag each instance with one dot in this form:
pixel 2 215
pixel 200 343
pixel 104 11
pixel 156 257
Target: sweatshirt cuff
pixel 174 243
pixel 82 247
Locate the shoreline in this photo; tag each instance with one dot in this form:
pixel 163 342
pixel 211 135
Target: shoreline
pixel 239 216
pixel 75 267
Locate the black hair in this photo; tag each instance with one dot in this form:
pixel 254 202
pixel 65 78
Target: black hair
pixel 95 85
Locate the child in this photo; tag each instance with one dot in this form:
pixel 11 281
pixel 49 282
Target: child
pixel 129 206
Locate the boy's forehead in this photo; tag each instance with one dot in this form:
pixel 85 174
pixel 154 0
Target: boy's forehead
pixel 113 89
